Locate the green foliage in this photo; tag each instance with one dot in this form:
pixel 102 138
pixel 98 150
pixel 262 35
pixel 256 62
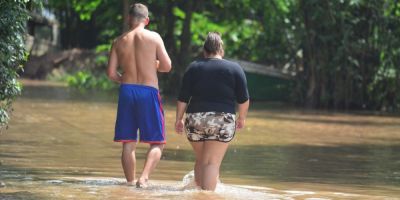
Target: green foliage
pixel 179 13
pixel 85 8
pixel 102 52
pixel 87 23
pixel 86 80
pixel 13 16
pixel 384 87
pixel 351 60
pixel 201 24
pixel 103 48
pixel 344 54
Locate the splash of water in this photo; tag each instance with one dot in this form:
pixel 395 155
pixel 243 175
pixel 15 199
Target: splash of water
pixel 115 188
pixel 230 191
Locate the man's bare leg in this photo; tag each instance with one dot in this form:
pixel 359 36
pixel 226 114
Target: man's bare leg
pixel 153 157
pixel 128 160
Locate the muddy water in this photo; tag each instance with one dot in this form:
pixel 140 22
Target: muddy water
pixel 59 146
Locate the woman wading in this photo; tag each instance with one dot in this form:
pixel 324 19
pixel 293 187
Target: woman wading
pixel 211 87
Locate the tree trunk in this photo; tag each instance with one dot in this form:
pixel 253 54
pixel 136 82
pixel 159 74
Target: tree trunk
pixel 68 26
pixel 184 52
pixel 125 11
pixel 309 57
pixel 170 20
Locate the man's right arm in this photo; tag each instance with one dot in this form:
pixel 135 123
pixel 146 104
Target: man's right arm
pixel 162 55
pixel 112 72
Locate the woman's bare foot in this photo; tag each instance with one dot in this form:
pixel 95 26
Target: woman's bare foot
pixel 142 183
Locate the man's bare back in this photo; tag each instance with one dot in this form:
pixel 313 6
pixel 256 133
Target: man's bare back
pixel 140 53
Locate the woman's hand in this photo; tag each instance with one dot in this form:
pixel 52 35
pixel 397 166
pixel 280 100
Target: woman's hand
pixel 179 126
pixel 240 123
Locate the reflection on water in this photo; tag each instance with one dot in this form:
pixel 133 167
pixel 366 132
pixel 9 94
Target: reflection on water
pixel 59 146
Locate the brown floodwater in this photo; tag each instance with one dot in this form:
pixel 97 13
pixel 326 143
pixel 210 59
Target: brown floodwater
pixel 59 146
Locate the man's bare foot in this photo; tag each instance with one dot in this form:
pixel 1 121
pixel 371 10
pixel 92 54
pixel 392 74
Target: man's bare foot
pixel 142 183
pixel 130 183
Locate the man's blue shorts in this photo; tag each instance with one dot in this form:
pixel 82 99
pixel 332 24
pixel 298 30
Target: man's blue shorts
pixel 139 108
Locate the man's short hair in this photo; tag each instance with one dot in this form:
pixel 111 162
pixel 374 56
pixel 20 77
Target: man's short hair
pixel 214 43
pixel 138 11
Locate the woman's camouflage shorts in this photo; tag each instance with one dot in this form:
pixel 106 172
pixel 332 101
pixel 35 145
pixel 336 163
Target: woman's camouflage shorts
pixel 216 126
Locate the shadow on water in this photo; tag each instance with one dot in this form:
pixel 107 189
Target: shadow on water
pixel 21 196
pixel 335 122
pixel 11 172
pixel 342 164
pixel 49 94
pixel 62 93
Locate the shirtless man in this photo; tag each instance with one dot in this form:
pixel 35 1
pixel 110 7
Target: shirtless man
pixel 140 53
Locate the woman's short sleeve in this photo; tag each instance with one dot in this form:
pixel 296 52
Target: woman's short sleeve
pixel 186 87
pixel 242 93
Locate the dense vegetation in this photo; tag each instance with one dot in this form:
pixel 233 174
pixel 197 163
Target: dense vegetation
pixel 13 17
pixel 344 54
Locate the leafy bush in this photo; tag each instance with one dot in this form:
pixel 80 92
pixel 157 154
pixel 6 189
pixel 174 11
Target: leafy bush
pixel 13 16
pixel 86 80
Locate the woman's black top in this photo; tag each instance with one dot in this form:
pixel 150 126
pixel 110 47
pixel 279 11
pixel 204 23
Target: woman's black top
pixel 213 85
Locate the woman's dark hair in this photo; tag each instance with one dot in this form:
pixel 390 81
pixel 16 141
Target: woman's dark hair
pixel 214 44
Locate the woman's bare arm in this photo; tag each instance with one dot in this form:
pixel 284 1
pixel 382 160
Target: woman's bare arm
pixel 180 111
pixel 242 109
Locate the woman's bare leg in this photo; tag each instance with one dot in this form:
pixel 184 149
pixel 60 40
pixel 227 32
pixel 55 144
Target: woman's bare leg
pixel 198 152
pixel 213 154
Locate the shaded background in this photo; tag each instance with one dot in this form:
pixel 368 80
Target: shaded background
pixel 318 54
